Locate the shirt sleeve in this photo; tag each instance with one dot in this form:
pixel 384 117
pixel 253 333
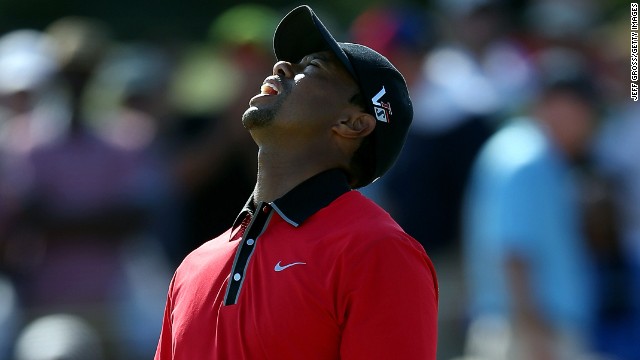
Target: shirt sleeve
pixel 389 302
pixel 164 351
pixel 521 210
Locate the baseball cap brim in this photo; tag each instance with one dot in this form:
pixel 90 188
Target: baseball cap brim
pixel 302 28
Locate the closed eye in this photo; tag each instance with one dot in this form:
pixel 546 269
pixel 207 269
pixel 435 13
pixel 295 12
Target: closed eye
pixel 316 60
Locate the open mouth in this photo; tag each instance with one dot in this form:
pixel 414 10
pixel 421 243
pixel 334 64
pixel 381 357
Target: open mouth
pixel 268 89
pixel 271 86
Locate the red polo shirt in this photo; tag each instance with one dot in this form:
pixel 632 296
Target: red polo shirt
pixel 321 273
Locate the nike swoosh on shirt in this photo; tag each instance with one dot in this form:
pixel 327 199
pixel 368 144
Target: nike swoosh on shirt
pixel 279 267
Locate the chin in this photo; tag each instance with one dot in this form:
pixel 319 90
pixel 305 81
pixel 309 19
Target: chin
pixel 255 117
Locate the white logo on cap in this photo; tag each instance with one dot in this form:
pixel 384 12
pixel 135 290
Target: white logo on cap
pixel 382 109
pixel 379 95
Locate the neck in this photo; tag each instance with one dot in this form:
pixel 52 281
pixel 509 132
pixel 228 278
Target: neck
pixel 278 173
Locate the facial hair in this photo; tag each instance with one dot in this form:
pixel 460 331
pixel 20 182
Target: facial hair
pixel 259 117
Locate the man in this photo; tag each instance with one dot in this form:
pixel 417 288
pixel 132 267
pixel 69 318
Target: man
pixel 311 269
pixel 527 262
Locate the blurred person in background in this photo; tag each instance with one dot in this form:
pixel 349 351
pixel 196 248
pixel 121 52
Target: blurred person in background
pixel 561 23
pixel 530 275
pixel 130 109
pixel 620 267
pixel 616 157
pixel 27 67
pixel 80 208
pixel 475 77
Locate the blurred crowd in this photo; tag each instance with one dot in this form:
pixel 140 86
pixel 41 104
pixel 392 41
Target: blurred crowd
pixel 520 175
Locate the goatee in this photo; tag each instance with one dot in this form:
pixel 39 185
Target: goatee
pixel 257 118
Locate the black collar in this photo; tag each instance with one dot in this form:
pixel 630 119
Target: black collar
pixel 305 199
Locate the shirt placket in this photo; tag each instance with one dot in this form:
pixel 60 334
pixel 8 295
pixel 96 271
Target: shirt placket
pixel 246 248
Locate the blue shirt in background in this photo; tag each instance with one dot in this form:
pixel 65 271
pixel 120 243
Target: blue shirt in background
pixel 522 201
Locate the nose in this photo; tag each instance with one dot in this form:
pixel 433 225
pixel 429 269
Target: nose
pixel 283 69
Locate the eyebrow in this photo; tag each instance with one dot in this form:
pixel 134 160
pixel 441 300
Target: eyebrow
pixel 322 56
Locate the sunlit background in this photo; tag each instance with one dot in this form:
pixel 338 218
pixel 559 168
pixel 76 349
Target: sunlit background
pixel 121 150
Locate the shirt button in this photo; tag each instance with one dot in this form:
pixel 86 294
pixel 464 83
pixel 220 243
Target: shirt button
pixel 250 242
pixel 237 277
pixel 265 209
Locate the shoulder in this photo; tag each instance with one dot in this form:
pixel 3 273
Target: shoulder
pixel 209 259
pixel 367 232
pixel 354 215
pixel 519 153
pixel 375 250
pixel 516 145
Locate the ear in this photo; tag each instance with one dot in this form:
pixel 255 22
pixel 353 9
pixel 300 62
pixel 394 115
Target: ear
pixel 355 125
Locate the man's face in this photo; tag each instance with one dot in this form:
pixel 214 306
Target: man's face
pixel 570 120
pixel 306 96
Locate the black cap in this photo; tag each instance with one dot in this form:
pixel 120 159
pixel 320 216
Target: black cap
pixel 384 89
